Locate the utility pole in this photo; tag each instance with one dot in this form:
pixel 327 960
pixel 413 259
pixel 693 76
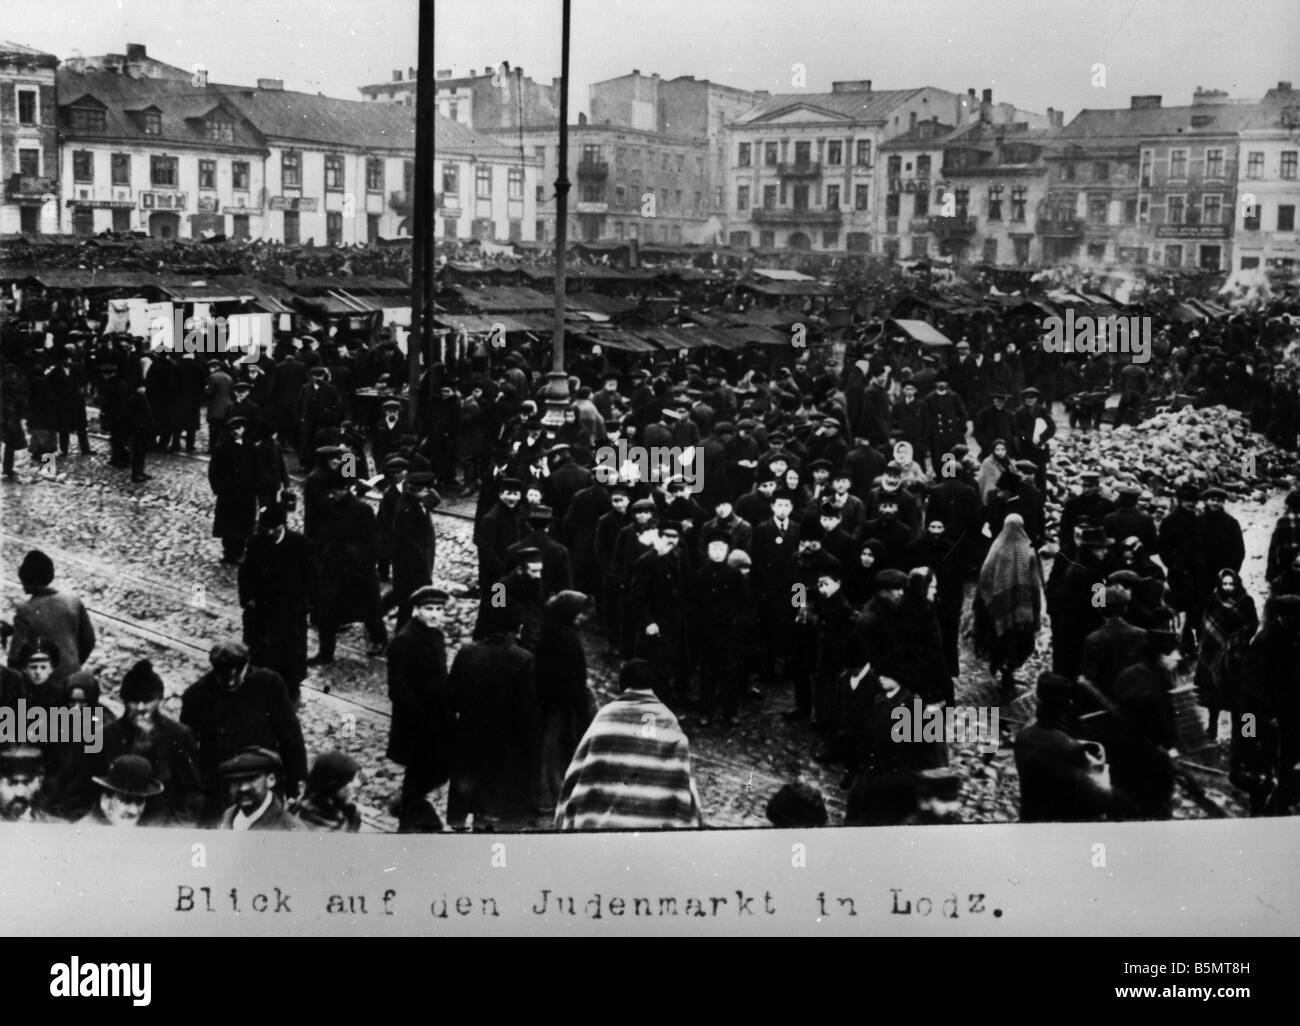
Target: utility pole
pixel 420 341
pixel 557 388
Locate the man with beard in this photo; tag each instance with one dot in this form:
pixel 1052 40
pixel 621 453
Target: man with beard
pixel 327 474
pixel 656 609
pixel 1078 615
pixel 125 790
pixel 236 705
pixel 250 779
pixel 756 506
pixel 956 504
pixel 519 592
pixel 168 747
pixel 632 542
pixel 496 531
pixel 423 727
pixel 890 489
pixel 234 476
pixel 348 589
pixel 277 585
pixel 1180 552
pixel 892 534
pixel 939 552
pixel 384 439
pixel 414 541
pixel 774 575
pixel 22 776
pixel 720 598
pixel 556 573
pixel 993 422
pixel 494 698
pixel 1034 428
pixel 316 398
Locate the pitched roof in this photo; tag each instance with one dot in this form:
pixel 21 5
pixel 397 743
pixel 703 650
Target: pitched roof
pixel 18 49
pixel 282 114
pixel 856 106
pixel 1153 122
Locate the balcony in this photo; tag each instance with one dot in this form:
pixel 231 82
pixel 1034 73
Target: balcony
pixel 22 186
pixel 592 207
pixel 807 169
pixel 593 170
pixel 807 216
pixel 1061 228
pixel 952 227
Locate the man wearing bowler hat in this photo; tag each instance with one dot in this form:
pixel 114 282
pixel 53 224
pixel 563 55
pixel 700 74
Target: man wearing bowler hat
pixel 250 777
pixel 124 790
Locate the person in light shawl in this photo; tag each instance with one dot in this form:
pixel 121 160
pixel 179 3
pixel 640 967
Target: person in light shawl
pixel 1009 602
pixel 1230 623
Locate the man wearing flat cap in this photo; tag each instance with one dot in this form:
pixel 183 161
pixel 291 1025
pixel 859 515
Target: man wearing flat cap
pixel 1078 615
pixel 277 585
pixel 422 731
pixel 1034 429
pixel 250 777
pixel 124 790
pixel 234 475
pixel 22 777
pixel 234 706
pixel 384 439
pixel 656 605
pixel 1221 542
pixel 316 398
pixel 414 540
pixel 1090 505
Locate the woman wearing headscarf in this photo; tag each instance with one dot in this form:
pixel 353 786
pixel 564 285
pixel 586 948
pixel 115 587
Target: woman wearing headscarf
pixel 327 804
pixel 1009 602
pixel 995 464
pixel 860 573
pixel 792 479
pixel 567 704
pixel 1230 622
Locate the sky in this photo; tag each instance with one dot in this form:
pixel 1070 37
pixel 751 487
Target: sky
pixel 1032 53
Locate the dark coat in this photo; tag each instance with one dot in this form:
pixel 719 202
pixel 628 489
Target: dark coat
pixel 1111 648
pixel 1077 618
pixel 1056 782
pixel 775 570
pixel 1180 551
pixel 499 528
pixel 60 619
pixel 556 575
pixel 277 584
pixel 1221 546
pixel 190 379
pixel 958 505
pixel 1139 764
pixel 348 565
pixel 258 712
pixel 424 722
pixel 414 547
pixel 234 475
pixel 173 754
pixel 578 534
pixel 494 695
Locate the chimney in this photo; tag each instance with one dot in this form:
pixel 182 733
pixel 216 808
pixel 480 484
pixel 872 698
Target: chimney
pixel 1144 102
pixel 858 85
pixel 443 73
pixel 636 72
pixel 272 84
pixel 136 52
pixel 988 96
pixel 582 119
pixel 1284 87
pixel 1204 96
pixel 970 93
pixel 397 74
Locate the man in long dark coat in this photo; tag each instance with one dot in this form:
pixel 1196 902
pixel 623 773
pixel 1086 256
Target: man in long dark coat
pixel 775 555
pixel 556 572
pixel 494 696
pixel 497 530
pixel 1180 552
pixel 1221 543
pixel 288 377
pixel 414 540
pixel 578 534
pixel 113 393
pixel 277 584
pixel 1079 614
pixel 657 609
pixel 423 730
pixel 349 577
pixel 316 397
pixel 235 476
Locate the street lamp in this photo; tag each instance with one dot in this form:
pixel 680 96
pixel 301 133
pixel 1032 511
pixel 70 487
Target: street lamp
pixel 556 393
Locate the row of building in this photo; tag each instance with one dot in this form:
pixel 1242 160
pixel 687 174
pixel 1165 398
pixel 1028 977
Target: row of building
pixel 128 142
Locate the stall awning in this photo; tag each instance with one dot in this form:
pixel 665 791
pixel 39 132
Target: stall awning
pixel 340 302
pixel 926 334
pixel 504 299
pixel 475 324
pixel 612 339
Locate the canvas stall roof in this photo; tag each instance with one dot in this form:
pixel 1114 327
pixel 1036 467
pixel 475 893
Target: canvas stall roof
pixel 205 294
pixel 779 317
pixel 598 303
pixel 780 274
pixel 475 324
pixel 668 337
pixel 361 283
pixel 713 336
pixel 788 288
pixel 926 334
pixel 614 339
pixel 274 298
pixel 340 302
pixel 504 298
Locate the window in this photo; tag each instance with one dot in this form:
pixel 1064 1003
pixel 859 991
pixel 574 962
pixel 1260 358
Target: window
pixel 767 240
pixel 835 152
pixel 769 197
pixel 1098 208
pixel 239 226
pixel 83 166
pixel 220 129
pixel 699 201
pixel 539 231
pixel 1249 263
pixel 636 181
pixel 923 166
pixel 861 197
pixel 636 156
pixel 620 194
pixel 995 203
pixel 453 110
pixel 1021 247
pixel 592 192
pixel 990 251
pixel 769 153
pixel 152 121
pixel 374 174
pixel 121 220
pixel 1130 211
pixel 742 197
pixel 29 162
pixel 1096 251
pixel 450 183
pixel 891 204
pixel 620 230
pixel 1145 173
pixel 1214 163
pixel 1174 214
pixel 1101 171
pixel 515 183
pixel 541 193
pixel 921 205
pixel 590 154
pixel 1255 164
pixel 830 239
pixel 1067 171
pixel 292 231
pixel 858 242
pixel 83 221
pixel 1288 163
pixel 962 196
pixel 1286 217
pixel 1177 163
pixel 27 106
pixel 333 172
pixel 863 152
pixel 892 248
pixel 1211 209
pixel 1144 211
pixel 120 165
pixel 681 162
pixel 677 233
pixel 291 169
pixel 1211 257
pixel 450 228
pixel 239 176
pixel 717 197
pixel 677 199
pixel 801 197
pixel 895 166
pixel 802 154
pixel 1250 218
pixel 162 171
pixel 781 194
pixel 665 163
pixel 741 240
pixel 483 182
pixel 699 165
pixel 663 198
pixel 1173 256
pixel 920 243
pixel 207 174
pixel 334 228
pixel 89 119
pixel 620 156
pixel 1019 198
pixel 832 197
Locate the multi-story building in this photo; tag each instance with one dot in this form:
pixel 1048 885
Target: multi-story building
pixel 626 183
pixel 1268 186
pixel 484 188
pixel 1147 184
pixel 983 189
pixel 803 172
pixel 498 98
pixel 29 140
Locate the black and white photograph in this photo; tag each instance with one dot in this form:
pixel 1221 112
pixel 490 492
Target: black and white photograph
pixel 569 416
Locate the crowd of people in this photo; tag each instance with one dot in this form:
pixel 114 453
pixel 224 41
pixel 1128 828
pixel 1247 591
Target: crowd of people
pixel 789 528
